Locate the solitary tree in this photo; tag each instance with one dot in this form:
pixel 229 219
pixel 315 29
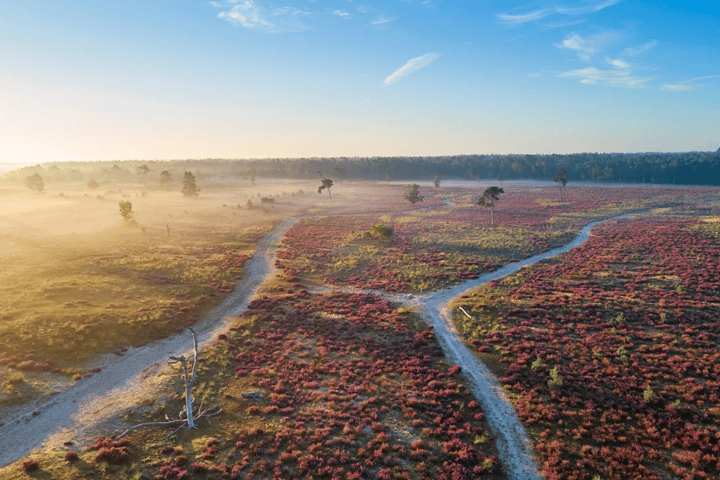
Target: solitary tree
pixel 165 178
pixel 35 182
pixel 126 210
pixel 92 183
pixel 488 199
pixel 436 182
pixel 326 183
pixel 413 194
pixel 189 187
pixel 561 179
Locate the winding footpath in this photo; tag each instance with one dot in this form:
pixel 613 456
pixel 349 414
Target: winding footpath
pixel 87 407
pixel 512 442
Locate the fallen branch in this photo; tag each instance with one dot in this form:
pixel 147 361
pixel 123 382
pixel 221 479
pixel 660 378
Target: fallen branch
pixel 200 415
pixel 463 310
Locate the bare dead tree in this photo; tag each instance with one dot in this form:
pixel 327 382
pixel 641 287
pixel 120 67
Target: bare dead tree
pixel 189 378
pixel 189 374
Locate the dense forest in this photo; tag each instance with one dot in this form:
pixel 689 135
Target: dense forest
pixel 687 168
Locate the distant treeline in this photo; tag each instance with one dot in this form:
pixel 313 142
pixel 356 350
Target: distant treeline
pixel 694 168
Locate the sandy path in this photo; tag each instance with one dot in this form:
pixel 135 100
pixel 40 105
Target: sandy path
pixel 514 448
pixel 90 405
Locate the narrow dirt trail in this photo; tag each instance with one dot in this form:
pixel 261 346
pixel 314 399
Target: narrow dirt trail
pixel 513 444
pixel 89 406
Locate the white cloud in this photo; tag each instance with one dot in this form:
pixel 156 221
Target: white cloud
pixel 634 51
pixel 563 25
pixel 340 13
pixel 686 84
pixel 381 19
pixel 618 77
pixel 618 63
pixel 249 15
pixel 527 17
pixel 704 78
pixel 411 66
pixel 677 87
pixel 585 48
pixel 585 9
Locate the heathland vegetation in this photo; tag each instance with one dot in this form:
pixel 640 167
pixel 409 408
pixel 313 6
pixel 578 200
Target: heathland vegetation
pixel 608 352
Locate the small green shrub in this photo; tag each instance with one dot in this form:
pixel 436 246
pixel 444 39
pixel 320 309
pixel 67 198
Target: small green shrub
pixel 16 378
pixel 556 380
pixel 382 231
pixel 648 394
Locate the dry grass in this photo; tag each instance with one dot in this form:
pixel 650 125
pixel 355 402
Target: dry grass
pixel 78 282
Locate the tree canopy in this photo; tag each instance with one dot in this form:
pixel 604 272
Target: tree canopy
pixel 326 183
pixel 189 187
pixel 126 210
pixel 35 182
pixel 561 179
pixel 412 194
pixel 488 199
pixel 165 178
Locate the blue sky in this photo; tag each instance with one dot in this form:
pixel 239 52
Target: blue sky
pixel 166 79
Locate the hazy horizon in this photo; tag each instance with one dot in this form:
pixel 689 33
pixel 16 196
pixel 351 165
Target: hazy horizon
pixel 258 79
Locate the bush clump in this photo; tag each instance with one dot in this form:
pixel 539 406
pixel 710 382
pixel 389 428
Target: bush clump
pixel 382 231
pixel 30 465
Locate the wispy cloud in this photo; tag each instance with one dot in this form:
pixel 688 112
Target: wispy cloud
pixel 618 63
pixel 620 76
pixel 635 51
pixel 685 84
pixel 381 19
pixel 563 24
pixel 411 66
pixel 340 13
pixel 581 9
pixel 525 17
pixel 677 87
pixel 249 15
pixel 585 47
pixel 586 9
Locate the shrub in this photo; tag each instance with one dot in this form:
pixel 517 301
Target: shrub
pixel 382 231
pixel 30 465
pixel 71 456
pixel 556 380
pixel 648 394
pixel 16 379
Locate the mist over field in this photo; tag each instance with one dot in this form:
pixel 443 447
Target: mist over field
pixel 360 318
pixel 291 239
